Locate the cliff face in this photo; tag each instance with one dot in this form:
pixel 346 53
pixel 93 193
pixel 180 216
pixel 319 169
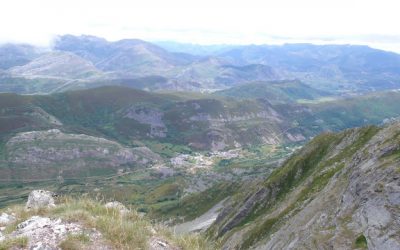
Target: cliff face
pixel 340 191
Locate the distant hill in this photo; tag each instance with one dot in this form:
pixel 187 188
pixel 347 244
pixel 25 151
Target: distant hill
pixel 57 64
pixel 340 69
pixel 130 56
pixel 350 67
pixel 91 48
pixel 275 91
pixel 16 55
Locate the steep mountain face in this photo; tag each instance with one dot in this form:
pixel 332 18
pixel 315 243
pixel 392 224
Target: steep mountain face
pixel 340 191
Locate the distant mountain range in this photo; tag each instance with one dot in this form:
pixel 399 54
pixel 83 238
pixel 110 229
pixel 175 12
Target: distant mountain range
pixel 79 62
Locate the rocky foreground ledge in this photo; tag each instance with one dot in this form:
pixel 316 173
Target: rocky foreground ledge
pixel 44 224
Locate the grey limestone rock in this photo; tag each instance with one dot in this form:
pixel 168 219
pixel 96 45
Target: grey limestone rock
pixel 40 199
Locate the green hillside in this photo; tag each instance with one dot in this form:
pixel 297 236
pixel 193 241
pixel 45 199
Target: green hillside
pixel 202 121
pixel 275 92
pixel 316 181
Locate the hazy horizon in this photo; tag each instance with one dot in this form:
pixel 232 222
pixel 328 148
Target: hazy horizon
pixel 207 22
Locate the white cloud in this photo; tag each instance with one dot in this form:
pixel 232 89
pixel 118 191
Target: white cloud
pixel 206 21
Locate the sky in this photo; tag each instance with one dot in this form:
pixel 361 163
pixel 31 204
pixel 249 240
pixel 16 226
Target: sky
pixel 374 23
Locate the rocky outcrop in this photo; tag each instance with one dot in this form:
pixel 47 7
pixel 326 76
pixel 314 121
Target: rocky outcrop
pixel 295 137
pixel 80 224
pixel 160 244
pixel 6 219
pixel 148 116
pixel 268 114
pixel 47 233
pixel 40 199
pixel 341 191
pixel 117 206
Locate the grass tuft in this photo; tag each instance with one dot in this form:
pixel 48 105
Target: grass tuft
pixel 75 242
pixel 15 243
pixel 361 242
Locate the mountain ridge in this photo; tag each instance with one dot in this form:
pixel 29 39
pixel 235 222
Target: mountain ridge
pixel 329 194
pixel 340 69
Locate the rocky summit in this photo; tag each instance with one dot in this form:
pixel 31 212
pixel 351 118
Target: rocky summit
pixel 83 224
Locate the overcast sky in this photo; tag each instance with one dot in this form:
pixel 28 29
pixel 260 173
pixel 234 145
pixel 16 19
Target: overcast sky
pixel 375 23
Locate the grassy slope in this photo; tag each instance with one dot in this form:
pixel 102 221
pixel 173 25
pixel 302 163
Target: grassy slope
pixel 129 231
pixel 354 112
pixel 194 205
pixel 310 163
pixel 23 85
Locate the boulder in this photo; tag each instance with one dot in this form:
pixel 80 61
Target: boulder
pixel 6 219
pixel 118 206
pixel 40 199
pixel 46 233
pixel 160 244
pixel 42 246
